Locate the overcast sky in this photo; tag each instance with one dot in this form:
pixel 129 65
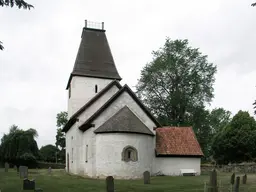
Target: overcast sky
pixel 41 46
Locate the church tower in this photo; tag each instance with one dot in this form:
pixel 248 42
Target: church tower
pixel 94 67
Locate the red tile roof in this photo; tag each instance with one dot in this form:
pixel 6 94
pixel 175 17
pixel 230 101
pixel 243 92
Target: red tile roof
pixel 177 141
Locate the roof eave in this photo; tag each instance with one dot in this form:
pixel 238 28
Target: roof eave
pixel 179 155
pixel 132 132
pixel 92 76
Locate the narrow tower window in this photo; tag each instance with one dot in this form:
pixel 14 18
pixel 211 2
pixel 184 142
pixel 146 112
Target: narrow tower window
pixel 86 154
pixel 72 155
pixel 69 92
pixel 96 88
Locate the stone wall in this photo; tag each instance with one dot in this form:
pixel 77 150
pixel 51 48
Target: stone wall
pixel 239 168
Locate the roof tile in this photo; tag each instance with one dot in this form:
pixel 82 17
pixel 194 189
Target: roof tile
pixel 177 141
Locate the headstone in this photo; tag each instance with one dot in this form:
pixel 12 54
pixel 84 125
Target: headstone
pixel 110 184
pixel 6 167
pixel 15 167
pixel 49 170
pixel 146 176
pixel 244 179
pixel 232 180
pixel 237 184
pixel 213 187
pixel 23 171
pixel 28 184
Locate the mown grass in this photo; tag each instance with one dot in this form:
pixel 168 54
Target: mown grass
pixel 60 181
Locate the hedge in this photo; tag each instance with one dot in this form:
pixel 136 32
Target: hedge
pixel 46 165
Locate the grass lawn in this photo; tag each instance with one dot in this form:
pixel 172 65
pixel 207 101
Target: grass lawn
pixel 60 181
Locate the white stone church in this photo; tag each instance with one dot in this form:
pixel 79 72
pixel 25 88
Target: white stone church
pixel 110 132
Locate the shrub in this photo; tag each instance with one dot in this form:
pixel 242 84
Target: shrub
pixel 46 165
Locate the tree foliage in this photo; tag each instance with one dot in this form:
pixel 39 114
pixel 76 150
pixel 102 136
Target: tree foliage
pixel 254 107
pixel 177 81
pixel 253 4
pixel 48 153
pixel 18 146
pixel 236 142
pixel 176 85
pixel 62 119
pixel 18 3
pixel 11 3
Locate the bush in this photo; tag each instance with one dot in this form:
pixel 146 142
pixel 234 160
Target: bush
pixel 46 165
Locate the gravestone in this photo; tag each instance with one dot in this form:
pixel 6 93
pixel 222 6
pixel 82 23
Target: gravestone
pixel 6 167
pixel 244 179
pixel 15 167
pixel 28 184
pixel 23 171
pixel 50 170
pixel 232 180
pixel 110 184
pixel 237 184
pixel 213 182
pixel 146 176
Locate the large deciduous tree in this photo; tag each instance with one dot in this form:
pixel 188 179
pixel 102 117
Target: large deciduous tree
pixel 62 119
pixel 11 3
pixel 176 82
pixel 19 146
pixel 236 142
pixel 48 153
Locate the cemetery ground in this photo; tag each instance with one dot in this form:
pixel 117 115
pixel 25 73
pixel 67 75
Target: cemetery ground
pixel 60 181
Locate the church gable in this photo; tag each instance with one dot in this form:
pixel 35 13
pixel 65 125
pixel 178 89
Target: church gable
pixel 89 104
pixel 124 121
pixel 124 96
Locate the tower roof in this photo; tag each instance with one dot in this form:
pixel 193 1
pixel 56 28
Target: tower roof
pixel 94 57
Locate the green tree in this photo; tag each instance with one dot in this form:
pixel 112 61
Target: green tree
pixel 48 153
pixel 11 3
pixel 19 146
pixel 177 81
pixel 236 142
pixel 254 107
pixel 62 119
pixel 219 118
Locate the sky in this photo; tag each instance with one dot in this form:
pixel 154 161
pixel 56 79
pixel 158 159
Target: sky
pixel 41 47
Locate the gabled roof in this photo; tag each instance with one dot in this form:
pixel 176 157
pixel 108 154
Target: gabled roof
pixel 177 141
pixel 94 57
pixel 86 125
pixel 124 121
pixel 73 118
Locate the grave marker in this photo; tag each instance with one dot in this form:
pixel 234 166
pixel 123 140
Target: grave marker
pixel 6 167
pixel 213 182
pixel 28 184
pixel 110 184
pixel 244 179
pixel 146 176
pixel 50 170
pixel 23 171
pixel 237 184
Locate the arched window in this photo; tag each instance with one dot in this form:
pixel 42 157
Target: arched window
pixel 129 154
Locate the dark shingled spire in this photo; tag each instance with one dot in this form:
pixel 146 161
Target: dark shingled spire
pixel 94 57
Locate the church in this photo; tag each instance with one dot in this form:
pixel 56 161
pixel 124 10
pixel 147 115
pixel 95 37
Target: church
pixel 109 131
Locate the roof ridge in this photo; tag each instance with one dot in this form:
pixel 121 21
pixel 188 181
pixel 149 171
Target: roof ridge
pixel 71 120
pixel 86 125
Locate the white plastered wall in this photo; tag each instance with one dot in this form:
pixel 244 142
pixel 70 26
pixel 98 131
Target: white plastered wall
pixel 110 146
pixel 172 165
pixel 82 90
